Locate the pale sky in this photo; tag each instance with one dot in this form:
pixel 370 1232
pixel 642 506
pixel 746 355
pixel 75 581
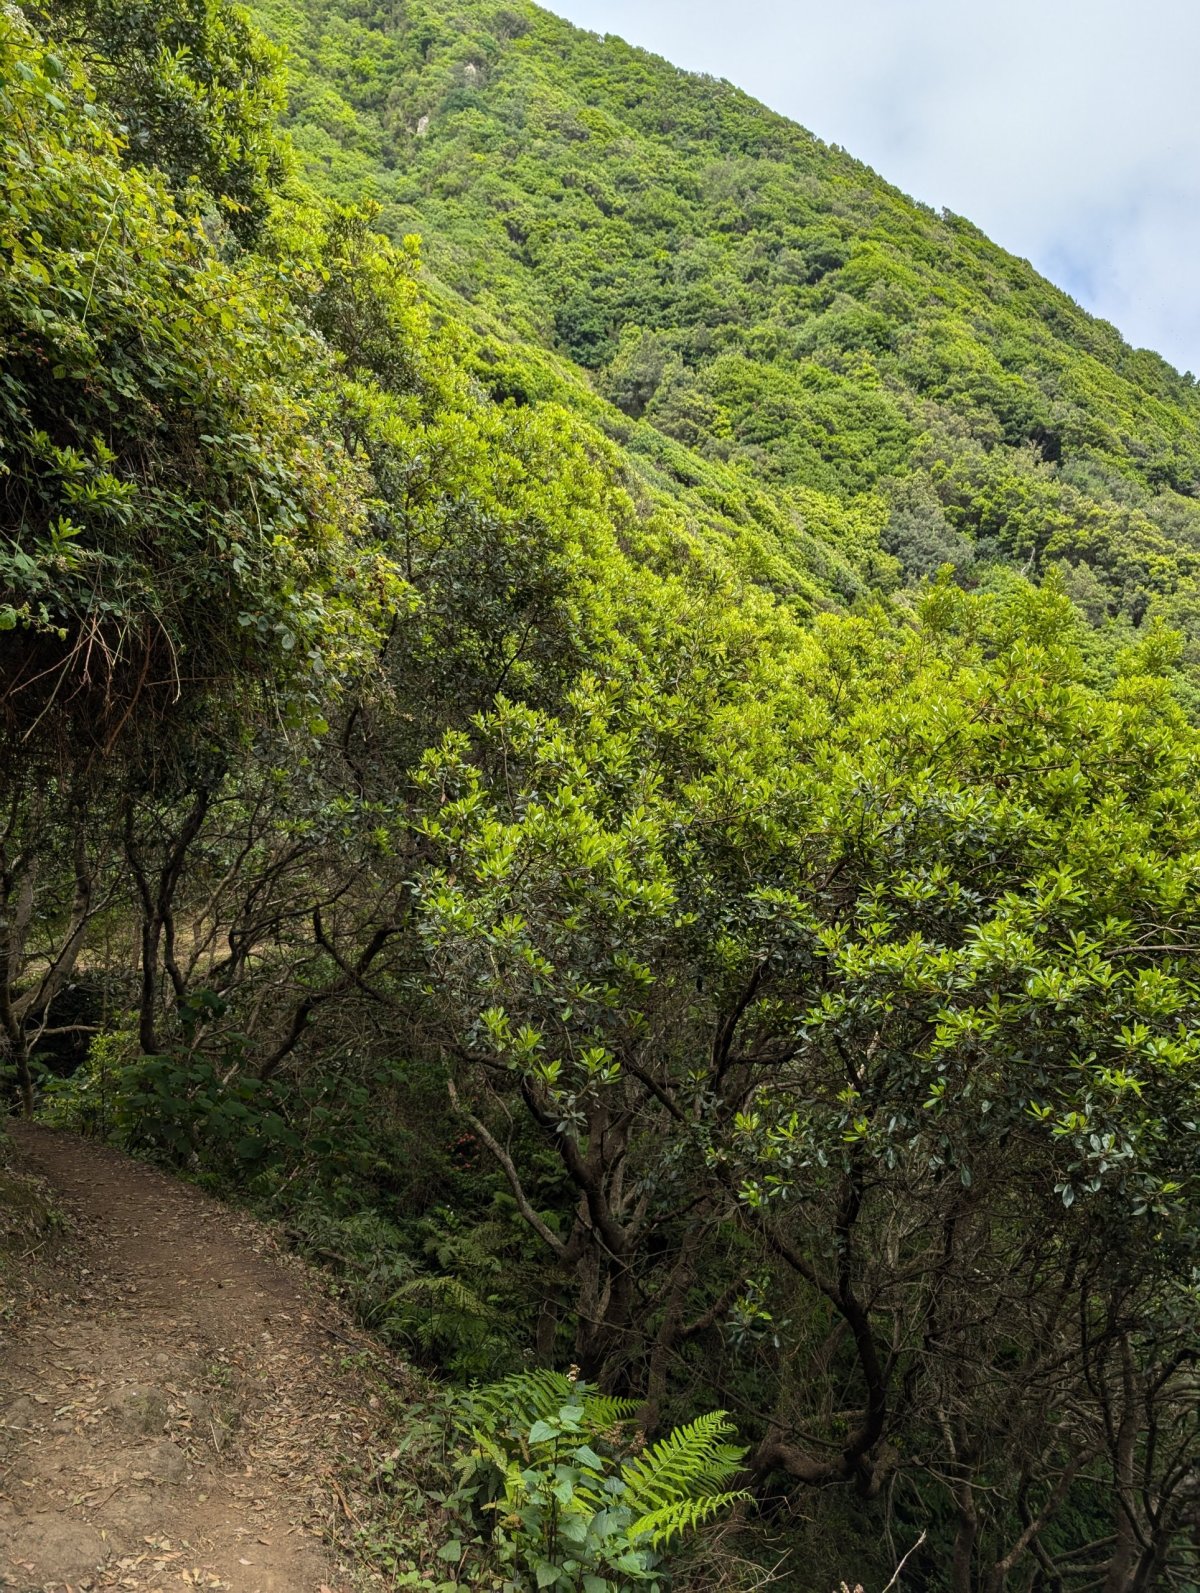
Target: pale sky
pixel 1069 130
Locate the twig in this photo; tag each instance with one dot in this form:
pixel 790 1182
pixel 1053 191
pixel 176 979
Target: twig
pixel 100 1503
pixel 333 1483
pixel 904 1562
pixel 112 216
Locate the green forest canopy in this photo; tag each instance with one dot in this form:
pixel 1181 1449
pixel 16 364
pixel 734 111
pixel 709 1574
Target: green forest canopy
pixel 884 373
pixel 630 765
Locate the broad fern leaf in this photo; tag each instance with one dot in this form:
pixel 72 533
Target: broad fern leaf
pixel 522 1399
pixel 685 1515
pixel 602 1412
pixel 692 1463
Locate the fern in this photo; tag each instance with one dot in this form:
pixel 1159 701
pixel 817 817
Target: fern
pixel 449 1293
pixel 526 1397
pixel 549 1504
pixel 604 1412
pixel 529 1397
pixel 456 1252
pixel 660 1526
pixel 691 1463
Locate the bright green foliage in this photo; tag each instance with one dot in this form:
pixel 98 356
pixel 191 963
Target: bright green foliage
pixel 675 1485
pixel 876 951
pixel 770 319
pixel 197 92
pixel 576 1505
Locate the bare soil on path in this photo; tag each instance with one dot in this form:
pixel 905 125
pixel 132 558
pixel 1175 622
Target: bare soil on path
pixel 174 1395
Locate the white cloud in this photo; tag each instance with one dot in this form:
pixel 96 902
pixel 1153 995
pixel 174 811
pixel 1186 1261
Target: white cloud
pixel 1064 128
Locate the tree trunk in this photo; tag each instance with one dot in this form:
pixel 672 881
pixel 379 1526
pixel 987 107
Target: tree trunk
pixel 1121 1566
pixel 963 1554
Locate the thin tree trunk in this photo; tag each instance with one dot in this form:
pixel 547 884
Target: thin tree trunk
pixel 1125 1550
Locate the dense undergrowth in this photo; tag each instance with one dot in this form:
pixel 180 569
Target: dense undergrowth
pixel 626 770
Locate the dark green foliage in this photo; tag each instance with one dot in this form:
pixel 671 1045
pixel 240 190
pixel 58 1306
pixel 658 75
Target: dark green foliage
pixel 564 1497
pixel 175 505
pixel 919 534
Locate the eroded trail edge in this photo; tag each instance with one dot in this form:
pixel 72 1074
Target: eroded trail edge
pixel 174 1396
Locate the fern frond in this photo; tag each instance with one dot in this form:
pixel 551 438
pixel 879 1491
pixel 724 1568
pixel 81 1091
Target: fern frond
pixel 604 1411
pixel 529 1397
pixel 459 1251
pixel 522 1399
pixel 447 1292
pixel 492 1237
pixel 685 1515
pixel 690 1464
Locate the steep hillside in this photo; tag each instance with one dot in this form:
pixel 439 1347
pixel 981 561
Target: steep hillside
pixel 733 284
pixel 624 783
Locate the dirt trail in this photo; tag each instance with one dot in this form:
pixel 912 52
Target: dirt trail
pixel 173 1399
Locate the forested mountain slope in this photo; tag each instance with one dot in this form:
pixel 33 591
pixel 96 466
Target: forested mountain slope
pixel 732 283
pixel 628 769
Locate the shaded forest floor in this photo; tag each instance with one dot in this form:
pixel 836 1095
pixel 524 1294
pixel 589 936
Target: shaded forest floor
pixel 177 1400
